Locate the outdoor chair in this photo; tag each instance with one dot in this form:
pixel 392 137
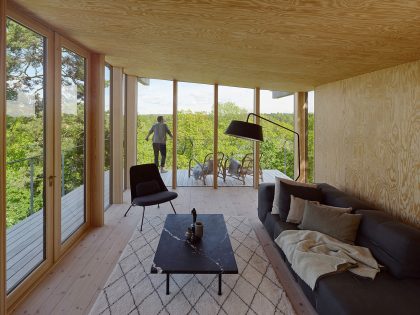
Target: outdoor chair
pixel 239 170
pixel 147 188
pixel 201 170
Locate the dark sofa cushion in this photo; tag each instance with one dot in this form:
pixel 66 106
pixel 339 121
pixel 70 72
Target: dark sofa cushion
pixel 274 225
pixel 305 288
pixel 346 293
pixel 338 198
pixel 304 192
pixel 394 244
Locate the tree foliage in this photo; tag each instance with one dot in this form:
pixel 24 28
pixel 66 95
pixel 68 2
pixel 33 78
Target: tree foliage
pixel 25 129
pixel 195 138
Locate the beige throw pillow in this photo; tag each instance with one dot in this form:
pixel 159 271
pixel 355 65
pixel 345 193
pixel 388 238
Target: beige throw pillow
pixel 331 221
pixel 276 201
pixel 297 207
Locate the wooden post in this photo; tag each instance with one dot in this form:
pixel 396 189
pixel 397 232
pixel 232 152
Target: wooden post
pixel 95 139
pixel 117 136
pixel 174 127
pixel 131 125
pixel 301 127
pixel 256 144
pixel 215 135
pixel 2 157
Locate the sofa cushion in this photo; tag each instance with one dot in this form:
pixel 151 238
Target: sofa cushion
pixel 338 198
pixel 305 288
pixel 297 208
pixel 346 293
pixel 300 191
pixel 274 225
pixel 265 199
pixel 394 244
pixel 277 180
pixel 333 221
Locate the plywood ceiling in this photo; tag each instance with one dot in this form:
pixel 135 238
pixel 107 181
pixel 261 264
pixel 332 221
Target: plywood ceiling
pixel 280 45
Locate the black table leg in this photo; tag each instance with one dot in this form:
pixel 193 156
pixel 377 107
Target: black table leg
pixel 167 284
pixel 220 284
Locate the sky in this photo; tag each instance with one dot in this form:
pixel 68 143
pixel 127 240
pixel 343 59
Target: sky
pixel 157 98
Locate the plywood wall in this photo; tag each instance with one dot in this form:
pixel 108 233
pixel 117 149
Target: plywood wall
pixel 367 138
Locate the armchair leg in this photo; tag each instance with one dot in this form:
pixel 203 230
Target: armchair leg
pixel 172 206
pixel 128 210
pixel 141 227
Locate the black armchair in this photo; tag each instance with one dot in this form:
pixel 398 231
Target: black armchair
pixel 147 188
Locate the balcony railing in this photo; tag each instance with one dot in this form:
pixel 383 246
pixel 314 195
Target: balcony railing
pixel 192 148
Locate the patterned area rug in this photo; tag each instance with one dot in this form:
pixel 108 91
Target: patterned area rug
pixel 132 289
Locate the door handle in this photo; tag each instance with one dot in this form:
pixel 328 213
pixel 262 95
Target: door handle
pixel 51 180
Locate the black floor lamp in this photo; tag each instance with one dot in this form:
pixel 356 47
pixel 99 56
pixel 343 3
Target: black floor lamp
pixel 251 131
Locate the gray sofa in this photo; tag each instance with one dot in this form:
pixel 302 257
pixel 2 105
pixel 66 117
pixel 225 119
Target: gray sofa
pixel 396 246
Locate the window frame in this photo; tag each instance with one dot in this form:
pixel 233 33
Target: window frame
pixel 61 247
pixel 16 15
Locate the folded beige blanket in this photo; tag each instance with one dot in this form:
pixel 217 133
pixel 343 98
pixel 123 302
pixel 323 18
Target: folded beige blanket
pixel 314 254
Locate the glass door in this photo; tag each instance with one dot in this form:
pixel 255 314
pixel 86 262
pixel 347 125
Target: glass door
pixel 72 141
pixel 27 190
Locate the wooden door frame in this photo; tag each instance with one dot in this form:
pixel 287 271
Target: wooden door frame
pixel 2 157
pixel 174 132
pixel 16 15
pixel 257 98
pixel 60 248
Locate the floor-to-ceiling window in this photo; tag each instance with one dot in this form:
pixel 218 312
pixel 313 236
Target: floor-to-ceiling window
pixel 73 77
pixel 277 150
pixel 311 138
pixel 107 137
pixel 25 152
pixel 234 104
pixel 195 134
pixel 155 100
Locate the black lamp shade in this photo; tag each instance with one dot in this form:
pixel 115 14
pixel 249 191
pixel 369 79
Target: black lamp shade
pixel 246 130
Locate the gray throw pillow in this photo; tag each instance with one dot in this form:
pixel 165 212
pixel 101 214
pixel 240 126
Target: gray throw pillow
pixel 333 221
pixel 297 207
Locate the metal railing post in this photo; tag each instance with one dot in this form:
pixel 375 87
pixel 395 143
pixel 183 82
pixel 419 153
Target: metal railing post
pixel 31 202
pixel 285 159
pixel 63 190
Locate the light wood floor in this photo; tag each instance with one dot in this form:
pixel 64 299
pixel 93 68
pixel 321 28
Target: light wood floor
pixel 73 285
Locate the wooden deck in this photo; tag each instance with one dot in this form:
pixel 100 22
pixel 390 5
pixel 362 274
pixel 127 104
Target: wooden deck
pixel 184 181
pixel 25 241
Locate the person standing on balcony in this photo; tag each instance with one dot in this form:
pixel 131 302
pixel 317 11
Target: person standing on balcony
pixel 159 130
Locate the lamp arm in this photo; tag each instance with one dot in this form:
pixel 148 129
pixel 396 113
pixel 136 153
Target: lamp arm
pixel 297 135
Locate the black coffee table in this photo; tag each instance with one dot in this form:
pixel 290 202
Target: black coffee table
pixel 213 254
